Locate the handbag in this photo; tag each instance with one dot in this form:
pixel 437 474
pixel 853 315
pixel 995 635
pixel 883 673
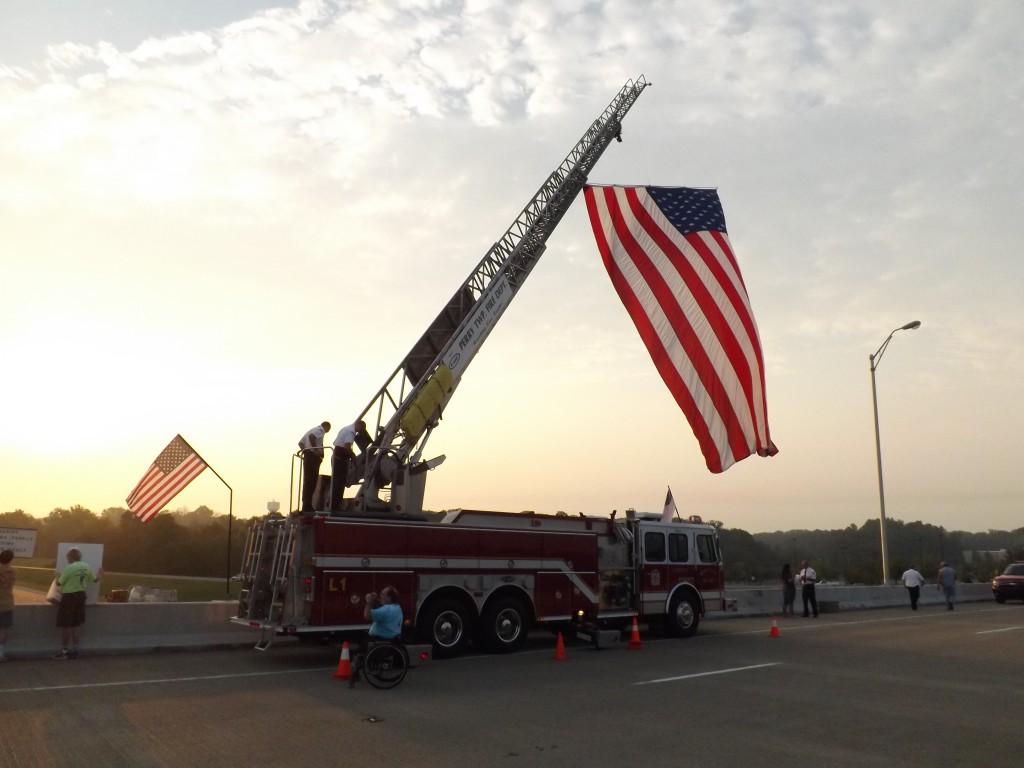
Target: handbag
pixel 53 593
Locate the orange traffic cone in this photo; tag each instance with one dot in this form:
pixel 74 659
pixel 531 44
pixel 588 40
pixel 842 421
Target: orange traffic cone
pixel 775 629
pixel 344 671
pixel 560 649
pixel 634 637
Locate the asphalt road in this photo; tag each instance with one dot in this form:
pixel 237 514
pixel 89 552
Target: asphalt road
pixel 879 688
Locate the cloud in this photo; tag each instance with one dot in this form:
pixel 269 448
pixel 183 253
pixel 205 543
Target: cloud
pixel 360 156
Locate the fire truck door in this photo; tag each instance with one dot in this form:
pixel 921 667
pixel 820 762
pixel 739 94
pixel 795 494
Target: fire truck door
pixel 708 567
pixel 654 585
pixel 682 565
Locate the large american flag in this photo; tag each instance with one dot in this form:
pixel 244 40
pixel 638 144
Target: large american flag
pixel 667 252
pixel 175 467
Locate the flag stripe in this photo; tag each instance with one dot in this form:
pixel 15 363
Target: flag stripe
pixel 143 483
pixel 717 334
pixel 176 466
pixel 672 264
pixel 154 503
pixel 690 328
pixel 732 285
pixel 150 509
pixel 669 369
pixel 168 487
pixel 721 281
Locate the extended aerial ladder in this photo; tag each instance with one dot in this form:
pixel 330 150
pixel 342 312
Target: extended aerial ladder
pixel 402 414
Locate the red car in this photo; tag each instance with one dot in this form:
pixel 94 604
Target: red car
pixel 1010 585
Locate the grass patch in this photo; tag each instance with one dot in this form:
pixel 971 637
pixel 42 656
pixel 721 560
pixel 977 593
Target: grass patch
pixel 189 591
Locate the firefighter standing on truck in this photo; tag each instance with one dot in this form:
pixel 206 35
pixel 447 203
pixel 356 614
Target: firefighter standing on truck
pixel 311 446
pixel 340 459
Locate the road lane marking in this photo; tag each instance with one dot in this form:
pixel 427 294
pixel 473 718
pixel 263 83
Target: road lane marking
pixel 158 681
pixel 787 627
pixel 1001 629
pixel 706 674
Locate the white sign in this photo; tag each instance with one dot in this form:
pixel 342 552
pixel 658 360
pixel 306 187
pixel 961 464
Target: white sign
pixel 480 322
pixel 92 555
pixel 21 540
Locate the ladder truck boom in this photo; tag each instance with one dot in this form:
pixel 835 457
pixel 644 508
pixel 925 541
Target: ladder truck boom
pixel 405 410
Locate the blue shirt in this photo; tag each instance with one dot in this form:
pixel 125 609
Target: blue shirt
pixel 947 577
pixel 387 621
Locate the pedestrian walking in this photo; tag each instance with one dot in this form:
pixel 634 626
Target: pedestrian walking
pixel 311 447
pixel 73 581
pixel 808 577
pixel 7 578
pixel 788 590
pixel 912 580
pixel 946 581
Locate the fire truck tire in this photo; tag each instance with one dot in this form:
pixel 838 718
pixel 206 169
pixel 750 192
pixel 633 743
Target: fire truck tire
pixel 447 625
pixel 683 616
pixel 504 625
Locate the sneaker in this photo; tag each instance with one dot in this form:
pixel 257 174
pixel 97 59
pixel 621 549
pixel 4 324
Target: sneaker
pixel 61 654
pixel 73 653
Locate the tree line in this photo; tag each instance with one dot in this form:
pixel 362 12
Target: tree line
pixel 854 554
pixel 194 543
pixel 182 543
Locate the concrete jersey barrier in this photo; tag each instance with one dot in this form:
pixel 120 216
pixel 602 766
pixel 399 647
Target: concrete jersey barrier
pixel 765 601
pixel 140 627
pixel 131 627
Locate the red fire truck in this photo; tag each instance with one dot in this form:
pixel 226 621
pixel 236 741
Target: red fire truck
pixel 471 574
pixel 482 576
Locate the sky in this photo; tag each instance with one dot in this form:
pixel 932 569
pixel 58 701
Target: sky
pixel 232 220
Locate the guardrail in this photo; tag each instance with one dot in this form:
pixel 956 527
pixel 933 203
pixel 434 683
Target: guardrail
pixel 131 628
pixel 765 601
pixel 141 627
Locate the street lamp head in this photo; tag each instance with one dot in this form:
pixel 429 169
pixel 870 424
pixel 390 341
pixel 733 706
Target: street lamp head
pixel 911 326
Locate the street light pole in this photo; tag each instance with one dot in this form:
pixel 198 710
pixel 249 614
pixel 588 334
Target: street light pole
pixel 874 360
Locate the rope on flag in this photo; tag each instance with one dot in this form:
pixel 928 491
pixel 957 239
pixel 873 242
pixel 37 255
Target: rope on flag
pixel 176 466
pixel 668 255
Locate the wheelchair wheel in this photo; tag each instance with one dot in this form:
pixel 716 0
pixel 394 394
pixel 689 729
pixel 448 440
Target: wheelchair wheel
pixel 385 666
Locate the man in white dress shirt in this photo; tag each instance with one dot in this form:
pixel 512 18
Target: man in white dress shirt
pixel 912 580
pixel 808 577
pixel 311 446
pixel 343 455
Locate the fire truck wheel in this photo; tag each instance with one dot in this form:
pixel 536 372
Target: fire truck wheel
pixel 683 616
pixel 504 625
pixel 447 625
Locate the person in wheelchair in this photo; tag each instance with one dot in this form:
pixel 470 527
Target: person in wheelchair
pixel 385 615
pixel 383 661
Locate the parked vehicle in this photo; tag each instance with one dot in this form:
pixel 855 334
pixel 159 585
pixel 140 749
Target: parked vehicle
pixel 483 577
pixel 1010 584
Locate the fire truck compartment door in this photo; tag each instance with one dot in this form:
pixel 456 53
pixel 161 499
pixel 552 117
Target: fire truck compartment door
pixel 553 596
pixel 343 593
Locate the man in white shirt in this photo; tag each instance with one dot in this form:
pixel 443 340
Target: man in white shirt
pixel 912 580
pixel 808 577
pixel 343 455
pixel 311 446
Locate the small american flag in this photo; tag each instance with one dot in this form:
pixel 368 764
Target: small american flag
pixel 669 510
pixel 667 252
pixel 175 467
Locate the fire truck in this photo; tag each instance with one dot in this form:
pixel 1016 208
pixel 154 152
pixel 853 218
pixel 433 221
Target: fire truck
pixel 468 575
